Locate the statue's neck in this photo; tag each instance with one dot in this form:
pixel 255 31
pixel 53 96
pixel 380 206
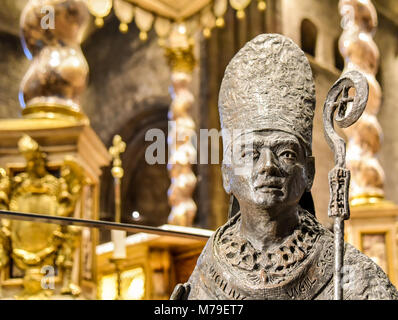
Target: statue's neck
pixel 265 229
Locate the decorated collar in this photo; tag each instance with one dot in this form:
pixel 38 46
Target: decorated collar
pixel 267 268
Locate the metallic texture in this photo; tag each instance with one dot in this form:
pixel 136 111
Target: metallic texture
pixel 117 148
pixel 181 59
pixel 339 176
pixel 360 52
pixel 202 14
pixel 273 248
pixel 117 262
pixel 51 32
pixel 180 140
pixel 243 106
pixel 338 229
pixel 118 237
pixel 32 245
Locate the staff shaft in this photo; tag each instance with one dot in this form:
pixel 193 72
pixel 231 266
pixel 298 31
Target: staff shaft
pixel 338 257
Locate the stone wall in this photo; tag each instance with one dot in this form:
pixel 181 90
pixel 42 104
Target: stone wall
pixel 126 76
pixel 128 94
pixel 13 66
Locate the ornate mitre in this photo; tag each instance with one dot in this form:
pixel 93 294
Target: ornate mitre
pixel 268 85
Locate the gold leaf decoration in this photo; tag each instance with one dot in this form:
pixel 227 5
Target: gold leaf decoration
pixel 192 25
pixel 143 20
pixel 99 9
pixel 261 5
pixel 162 27
pixel 220 7
pixel 124 11
pixel 240 6
pixel 208 21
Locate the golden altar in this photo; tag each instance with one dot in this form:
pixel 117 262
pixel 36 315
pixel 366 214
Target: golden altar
pixel 154 264
pixel 60 142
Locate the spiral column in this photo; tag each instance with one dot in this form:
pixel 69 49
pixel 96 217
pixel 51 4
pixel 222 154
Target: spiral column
pixel 359 22
pixel 52 31
pixel 182 151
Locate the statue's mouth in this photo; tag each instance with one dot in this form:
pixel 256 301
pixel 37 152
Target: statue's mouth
pixel 268 185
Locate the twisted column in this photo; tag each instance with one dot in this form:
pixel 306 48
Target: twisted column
pixel 359 22
pixel 179 52
pixel 51 32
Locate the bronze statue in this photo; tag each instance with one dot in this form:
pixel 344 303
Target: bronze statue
pixel 31 245
pixel 273 247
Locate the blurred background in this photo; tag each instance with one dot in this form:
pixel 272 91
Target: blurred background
pixel 76 74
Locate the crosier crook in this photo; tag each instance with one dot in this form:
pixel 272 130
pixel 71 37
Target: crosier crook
pixel 339 176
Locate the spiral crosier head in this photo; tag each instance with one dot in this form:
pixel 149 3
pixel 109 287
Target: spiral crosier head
pixel 52 31
pixel 348 110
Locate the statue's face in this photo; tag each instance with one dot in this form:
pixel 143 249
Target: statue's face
pixel 268 169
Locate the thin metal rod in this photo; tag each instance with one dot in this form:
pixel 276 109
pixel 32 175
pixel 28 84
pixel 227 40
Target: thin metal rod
pixel 134 228
pixel 118 279
pixel 118 214
pixel 338 257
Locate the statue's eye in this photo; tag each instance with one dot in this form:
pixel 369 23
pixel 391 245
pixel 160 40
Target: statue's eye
pixel 290 155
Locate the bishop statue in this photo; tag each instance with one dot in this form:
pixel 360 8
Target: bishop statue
pixel 274 247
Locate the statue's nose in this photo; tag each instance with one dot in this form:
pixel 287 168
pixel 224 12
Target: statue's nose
pixel 266 163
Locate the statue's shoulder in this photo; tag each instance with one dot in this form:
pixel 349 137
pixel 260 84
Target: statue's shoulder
pixel 364 279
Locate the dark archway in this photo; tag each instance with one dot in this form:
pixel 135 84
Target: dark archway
pixel 144 186
pixel 309 33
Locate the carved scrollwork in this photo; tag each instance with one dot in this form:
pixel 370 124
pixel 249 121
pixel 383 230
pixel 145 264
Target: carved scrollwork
pixel 33 245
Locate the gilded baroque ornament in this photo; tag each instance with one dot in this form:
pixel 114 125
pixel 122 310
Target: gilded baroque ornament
pixel 180 58
pixel 52 86
pixel 33 247
pixel 272 246
pixel 204 15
